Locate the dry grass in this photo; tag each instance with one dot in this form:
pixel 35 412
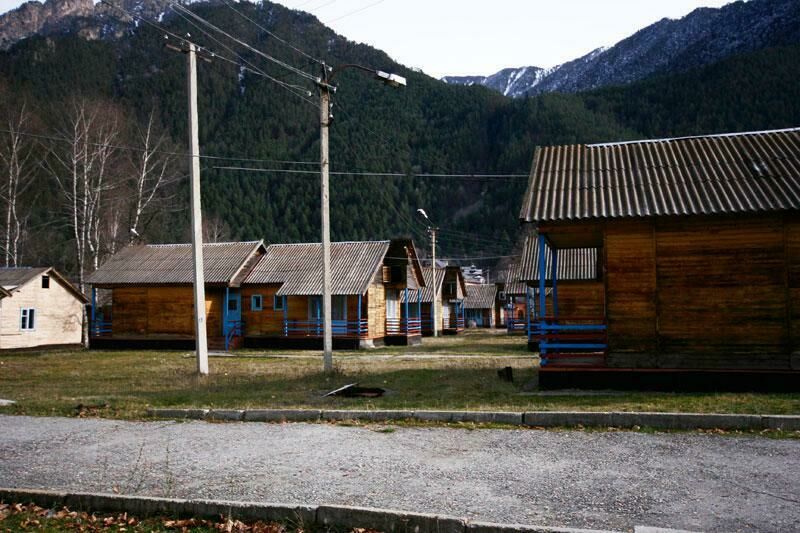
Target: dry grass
pixel 123 384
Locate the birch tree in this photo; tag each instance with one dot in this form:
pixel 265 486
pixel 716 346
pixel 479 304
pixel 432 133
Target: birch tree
pixel 154 169
pixel 81 167
pixel 16 155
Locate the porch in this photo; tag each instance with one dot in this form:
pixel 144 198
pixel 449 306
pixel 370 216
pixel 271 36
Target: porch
pixel 563 341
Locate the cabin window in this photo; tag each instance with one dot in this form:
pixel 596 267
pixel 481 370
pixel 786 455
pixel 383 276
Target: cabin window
pixel 339 307
pixel 45 282
pixel 277 303
pixel 391 304
pixel 256 302
pixel 451 287
pixel 27 319
pixel 233 304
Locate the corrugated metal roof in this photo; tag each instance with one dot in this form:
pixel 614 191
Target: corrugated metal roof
pixel 298 267
pixel 573 263
pixel 159 264
pixel 480 296
pixel 510 278
pixel 13 277
pixel 426 294
pixel 728 173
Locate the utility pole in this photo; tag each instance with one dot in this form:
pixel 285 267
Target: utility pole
pixel 197 222
pixel 324 122
pixel 325 90
pixel 434 302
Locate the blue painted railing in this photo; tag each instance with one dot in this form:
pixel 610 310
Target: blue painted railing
pixel 100 328
pixel 403 326
pixel 339 328
pixel 570 338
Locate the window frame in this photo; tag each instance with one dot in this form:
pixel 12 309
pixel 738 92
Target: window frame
pixel 27 319
pixel 277 303
pixel 256 298
pixel 45 281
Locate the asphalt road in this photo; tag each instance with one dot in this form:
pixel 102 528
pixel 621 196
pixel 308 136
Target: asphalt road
pixel 613 480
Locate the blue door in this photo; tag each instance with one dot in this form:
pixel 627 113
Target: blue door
pixel 233 311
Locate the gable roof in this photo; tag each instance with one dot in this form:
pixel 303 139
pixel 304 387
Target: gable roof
pixel 14 278
pixel 298 267
pixel 709 174
pixel 426 292
pixel 167 264
pixel 513 284
pixel 480 296
pixel 573 263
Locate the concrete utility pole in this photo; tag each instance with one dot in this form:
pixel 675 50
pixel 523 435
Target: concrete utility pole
pixel 197 221
pixel 434 302
pixel 324 122
pixel 325 90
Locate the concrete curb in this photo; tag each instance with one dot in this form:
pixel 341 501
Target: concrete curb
pixel 327 516
pixel 686 421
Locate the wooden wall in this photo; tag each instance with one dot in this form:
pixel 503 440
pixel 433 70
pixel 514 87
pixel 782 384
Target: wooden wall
pixel 702 292
pixel 268 321
pixel 376 304
pixel 58 316
pixel 163 310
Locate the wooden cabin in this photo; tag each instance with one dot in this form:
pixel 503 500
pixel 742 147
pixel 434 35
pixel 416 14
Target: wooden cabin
pixel 698 251
pixel 39 307
pixel 370 282
pixel 480 305
pixel 513 293
pixel 152 299
pixel 449 297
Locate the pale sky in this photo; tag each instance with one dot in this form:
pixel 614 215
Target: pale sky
pixel 459 37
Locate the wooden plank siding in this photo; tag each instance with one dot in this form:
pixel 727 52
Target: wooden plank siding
pixel 164 310
pixel 58 316
pixel 697 292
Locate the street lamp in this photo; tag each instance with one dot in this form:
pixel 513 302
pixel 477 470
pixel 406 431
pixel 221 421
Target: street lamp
pixel 325 90
pixel 434 312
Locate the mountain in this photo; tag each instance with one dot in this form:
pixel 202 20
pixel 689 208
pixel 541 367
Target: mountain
pixel 265 137
pixel 82 17
pixel 512 82
pixel 703 37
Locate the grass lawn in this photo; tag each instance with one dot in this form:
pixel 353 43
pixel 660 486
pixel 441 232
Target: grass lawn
pixel 123 384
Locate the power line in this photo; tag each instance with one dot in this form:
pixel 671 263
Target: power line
pixel 255 69
pixel 278 38
pixel 253 49
pixel 354 12
pixel 376 174
pixel 165 152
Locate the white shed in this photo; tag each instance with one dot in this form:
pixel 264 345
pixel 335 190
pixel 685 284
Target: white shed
pixel 38 307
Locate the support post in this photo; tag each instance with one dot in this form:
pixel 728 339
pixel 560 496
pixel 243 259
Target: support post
pixel 93 324
pixel 327 342
pixel 197 221
pixel 359 317
pixel 554 281
pixel 542 278
pixel 434 308
pixel 408 318
pixel 285 318
pixel 225 324
pixel 419 309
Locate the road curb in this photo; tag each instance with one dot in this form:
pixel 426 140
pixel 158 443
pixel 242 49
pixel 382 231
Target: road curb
pixel 326 516
pixel 685 421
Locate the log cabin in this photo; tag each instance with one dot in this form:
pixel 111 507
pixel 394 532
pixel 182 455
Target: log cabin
pixel 370 282
pixel 152 300
pixel 480 305
pixel 39 307
pixel 448 295
pixel 698 247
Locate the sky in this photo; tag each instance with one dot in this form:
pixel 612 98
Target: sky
pixel 459 37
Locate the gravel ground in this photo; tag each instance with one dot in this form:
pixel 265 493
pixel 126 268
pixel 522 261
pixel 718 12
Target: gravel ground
pixel 611 480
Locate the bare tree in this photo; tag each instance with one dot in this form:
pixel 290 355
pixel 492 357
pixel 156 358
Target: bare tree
pixel 16 152
pixel 215 229
pixel 82 171
pixel 153 170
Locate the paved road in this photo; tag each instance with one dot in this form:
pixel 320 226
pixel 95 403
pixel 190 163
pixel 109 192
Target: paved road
pixel 582 479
